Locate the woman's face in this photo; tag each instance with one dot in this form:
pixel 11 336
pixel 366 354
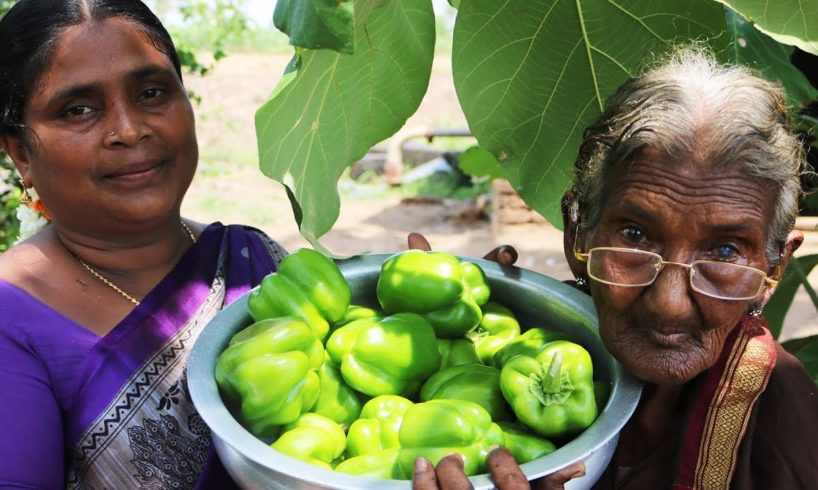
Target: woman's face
pixel 666 332
pixel 112 141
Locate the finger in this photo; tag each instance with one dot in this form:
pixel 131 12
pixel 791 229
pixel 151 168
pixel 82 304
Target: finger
pixel 419 242
pixel 424 476
pixel 505 471
pixel 450 475
pixel 558 479
pixel 504 255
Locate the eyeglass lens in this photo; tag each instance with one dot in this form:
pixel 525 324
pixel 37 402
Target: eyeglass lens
pixel 637 268
pixel 726 280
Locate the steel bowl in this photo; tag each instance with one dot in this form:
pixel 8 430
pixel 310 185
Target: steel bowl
pixel 537 300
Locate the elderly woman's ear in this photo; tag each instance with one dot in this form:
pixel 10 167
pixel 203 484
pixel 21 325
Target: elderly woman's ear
pixel 569 236
pixel 794 240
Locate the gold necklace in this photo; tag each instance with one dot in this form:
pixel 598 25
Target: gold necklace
pixel 113 286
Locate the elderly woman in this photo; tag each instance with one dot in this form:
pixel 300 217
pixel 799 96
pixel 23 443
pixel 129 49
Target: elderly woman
pixel 679 225
pixel 98 311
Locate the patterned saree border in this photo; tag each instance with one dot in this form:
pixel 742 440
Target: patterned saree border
pixel 723 407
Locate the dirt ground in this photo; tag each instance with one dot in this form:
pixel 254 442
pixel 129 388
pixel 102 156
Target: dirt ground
pixel 230 188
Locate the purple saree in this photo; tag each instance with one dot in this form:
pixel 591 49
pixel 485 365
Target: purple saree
pixel 113 412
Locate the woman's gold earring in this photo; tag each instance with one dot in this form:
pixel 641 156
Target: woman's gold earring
pixel 25 197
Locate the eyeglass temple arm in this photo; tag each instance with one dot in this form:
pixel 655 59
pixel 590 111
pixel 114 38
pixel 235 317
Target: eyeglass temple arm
pixel 773 282
pixel 579 255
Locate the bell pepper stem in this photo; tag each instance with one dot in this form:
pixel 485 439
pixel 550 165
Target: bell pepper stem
pixel 551 385
pixel 552 381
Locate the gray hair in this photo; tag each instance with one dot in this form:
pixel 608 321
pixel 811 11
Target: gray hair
pixel 690 105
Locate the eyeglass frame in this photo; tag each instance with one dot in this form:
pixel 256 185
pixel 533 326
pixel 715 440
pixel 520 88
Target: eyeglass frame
pixel 585 257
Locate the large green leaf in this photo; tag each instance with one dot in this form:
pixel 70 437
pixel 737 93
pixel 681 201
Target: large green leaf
pixel 531 75
pixel 793 22
pixel 753 48
pixel 776 309
pixel 806 350
pixel 334 106
pixel 317 24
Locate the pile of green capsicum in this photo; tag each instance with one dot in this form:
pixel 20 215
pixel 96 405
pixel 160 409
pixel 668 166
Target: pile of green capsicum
pixel 437 368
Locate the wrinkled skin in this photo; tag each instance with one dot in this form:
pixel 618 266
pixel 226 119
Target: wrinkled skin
pixel 666 333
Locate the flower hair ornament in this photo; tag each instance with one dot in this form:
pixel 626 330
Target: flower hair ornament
pixel 31 213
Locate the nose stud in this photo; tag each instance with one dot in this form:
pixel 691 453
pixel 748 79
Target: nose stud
pixel 111 133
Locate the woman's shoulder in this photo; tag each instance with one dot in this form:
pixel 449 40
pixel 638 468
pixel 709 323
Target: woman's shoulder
pixel 790 400
pixel 19 266
pixel 789 376
pixel 778 449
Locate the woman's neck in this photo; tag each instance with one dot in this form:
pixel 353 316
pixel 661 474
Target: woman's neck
pixel 136 262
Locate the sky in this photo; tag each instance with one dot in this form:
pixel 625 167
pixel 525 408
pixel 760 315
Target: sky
pixel 261 11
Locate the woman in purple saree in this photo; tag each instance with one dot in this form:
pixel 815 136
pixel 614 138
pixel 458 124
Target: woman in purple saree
pixel 99 310
pixel 117 406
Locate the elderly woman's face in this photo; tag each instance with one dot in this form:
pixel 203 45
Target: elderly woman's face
pixel 666 332
pixel 112 131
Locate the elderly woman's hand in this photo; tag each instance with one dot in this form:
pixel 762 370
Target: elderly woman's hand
pixel 504 255
pixel 506 473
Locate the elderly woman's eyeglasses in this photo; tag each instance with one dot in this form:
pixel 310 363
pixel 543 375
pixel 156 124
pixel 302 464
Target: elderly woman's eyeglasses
pixel 634 268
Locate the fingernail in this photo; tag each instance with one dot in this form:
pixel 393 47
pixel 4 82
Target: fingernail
pixel 420 465
pixel 459 457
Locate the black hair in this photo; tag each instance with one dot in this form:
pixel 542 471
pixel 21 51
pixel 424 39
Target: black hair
pixel 28 35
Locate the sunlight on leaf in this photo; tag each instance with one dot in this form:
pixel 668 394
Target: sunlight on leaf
pixel 334 106
pixel 753 48
pixel 317 24
pixel 793 22
pixel 532 75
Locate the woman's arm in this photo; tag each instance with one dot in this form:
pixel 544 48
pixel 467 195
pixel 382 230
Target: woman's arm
pixel 31 452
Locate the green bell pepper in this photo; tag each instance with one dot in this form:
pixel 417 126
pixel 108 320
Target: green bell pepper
pixel 524 445
pixel 528 344
pixel 307 285
pixel 382 464
pixel 437 428
pixel 497 328
pixel 336 400
pixel 314 439
pixel 439 286
pixel 454 352
pixel 270 369
pixel 378 426
pixel 553 392
pixel 357 312
pixel 389 356
pixel 472 382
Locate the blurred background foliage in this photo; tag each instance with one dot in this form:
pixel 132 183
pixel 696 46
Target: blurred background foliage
pixel 9 191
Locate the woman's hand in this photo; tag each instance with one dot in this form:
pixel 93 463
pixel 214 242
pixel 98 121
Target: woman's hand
pixel 506 473
pixel 504 255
